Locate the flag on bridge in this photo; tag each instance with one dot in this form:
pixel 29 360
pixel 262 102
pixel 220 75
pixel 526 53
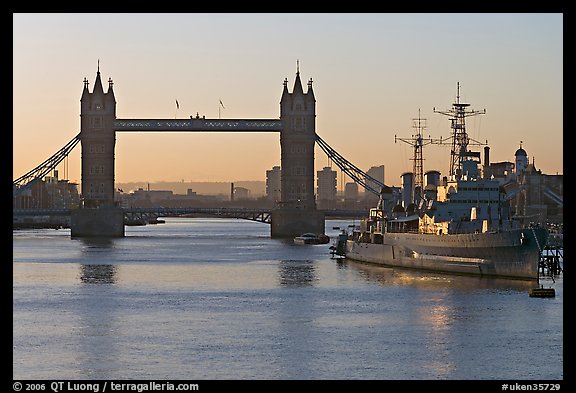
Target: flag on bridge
pixel 222 104
pixel 177 105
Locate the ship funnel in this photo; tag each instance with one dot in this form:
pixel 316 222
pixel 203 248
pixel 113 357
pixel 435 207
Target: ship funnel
pixel 486 173
pixel 407 196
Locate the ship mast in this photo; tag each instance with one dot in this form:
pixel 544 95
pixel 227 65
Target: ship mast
pixel 417 141
pixel 460 139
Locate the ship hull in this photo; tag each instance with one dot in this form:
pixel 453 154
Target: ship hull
pixel 514 253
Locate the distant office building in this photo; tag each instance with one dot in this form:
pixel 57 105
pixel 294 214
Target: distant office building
pixel 273 183
pixel 351 192
pixel 326 190
pixel 163 198
pixel 376 172
pixel 241 193
pixel 151 195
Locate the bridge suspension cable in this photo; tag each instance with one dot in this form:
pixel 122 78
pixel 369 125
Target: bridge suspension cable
pixel 25 181
pixel 359 176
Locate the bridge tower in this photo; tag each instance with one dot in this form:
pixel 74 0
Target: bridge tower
pixel 296 213
pixel 98 215
pixel 98 138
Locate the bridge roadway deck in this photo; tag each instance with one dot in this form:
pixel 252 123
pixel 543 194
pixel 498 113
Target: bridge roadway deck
pixel 199 125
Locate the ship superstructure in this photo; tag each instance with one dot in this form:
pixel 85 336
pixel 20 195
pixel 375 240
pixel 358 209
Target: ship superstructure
pixel 463 226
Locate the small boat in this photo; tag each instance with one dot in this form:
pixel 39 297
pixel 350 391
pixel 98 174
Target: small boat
pixel 156 221
pixel 311 238
pixel 338 249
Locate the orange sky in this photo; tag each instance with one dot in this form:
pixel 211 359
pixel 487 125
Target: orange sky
pixel 372 73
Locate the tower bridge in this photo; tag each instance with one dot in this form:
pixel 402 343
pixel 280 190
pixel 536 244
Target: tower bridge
pixel 296 212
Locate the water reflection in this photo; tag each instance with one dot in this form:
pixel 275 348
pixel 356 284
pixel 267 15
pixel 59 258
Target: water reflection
pixel 296 314
pixel 438 319
pixel 96 337
pixel 392 276
pixel 98 274
pixel 297 273
pixel 97 242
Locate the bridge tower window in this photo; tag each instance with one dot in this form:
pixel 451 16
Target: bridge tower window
pixel 96 122
pixel 299 123
pixel 96 148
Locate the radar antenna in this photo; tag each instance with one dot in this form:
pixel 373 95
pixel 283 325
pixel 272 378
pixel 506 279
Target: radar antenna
pixel 418 142
pixel 460 139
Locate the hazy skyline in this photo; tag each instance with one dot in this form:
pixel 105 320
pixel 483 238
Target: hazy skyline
pixel 371 74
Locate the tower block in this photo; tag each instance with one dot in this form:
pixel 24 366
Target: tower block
pixel 98 215
pixel 296 213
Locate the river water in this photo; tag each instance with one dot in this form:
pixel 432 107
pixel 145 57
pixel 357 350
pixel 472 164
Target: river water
pixel 218 299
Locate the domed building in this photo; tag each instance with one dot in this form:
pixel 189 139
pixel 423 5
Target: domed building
pixel 539 197
pixel 521 160
pixel 528 201
pixel 533 196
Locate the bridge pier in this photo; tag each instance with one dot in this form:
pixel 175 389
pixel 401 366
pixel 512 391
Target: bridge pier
pixel 291 222
pixel 97 222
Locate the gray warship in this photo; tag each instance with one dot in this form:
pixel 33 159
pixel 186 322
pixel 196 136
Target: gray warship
pixel 461 225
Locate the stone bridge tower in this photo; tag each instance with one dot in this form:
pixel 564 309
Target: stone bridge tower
pixel 296 212
pixel 98 215
pixel 98 138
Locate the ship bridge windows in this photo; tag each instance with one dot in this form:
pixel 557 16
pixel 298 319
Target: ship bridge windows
pixel 402 226
pixel 463 188
pixel 474 201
